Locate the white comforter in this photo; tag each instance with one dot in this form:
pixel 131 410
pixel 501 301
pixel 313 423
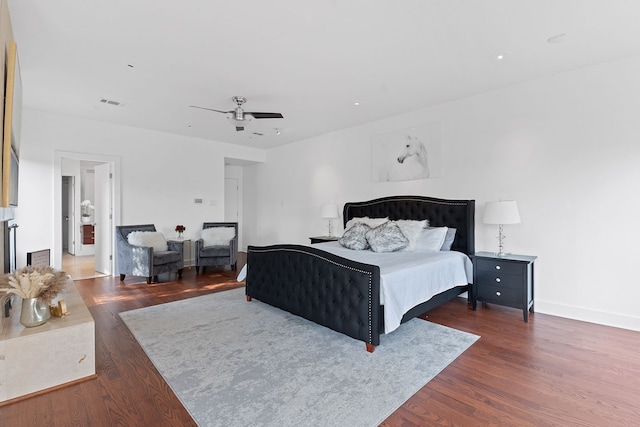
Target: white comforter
pixel 409 278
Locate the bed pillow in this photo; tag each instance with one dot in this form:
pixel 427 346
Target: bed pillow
pixel 354 238
pixel 386 238
pixel 411 230
pixel 431 239
pixel 218 236
pixel 153 239
pixel 371 222
pixel 448 239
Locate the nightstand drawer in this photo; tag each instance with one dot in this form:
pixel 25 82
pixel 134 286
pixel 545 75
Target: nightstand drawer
pixel 497 265
pixel 500 295
pixel 497 278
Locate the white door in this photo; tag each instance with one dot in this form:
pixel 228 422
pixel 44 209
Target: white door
pixel 103 218
pixel 231 199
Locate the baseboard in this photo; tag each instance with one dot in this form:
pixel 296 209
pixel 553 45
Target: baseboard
pixel 587 315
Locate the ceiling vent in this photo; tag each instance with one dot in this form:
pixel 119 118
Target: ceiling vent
pixel 109 102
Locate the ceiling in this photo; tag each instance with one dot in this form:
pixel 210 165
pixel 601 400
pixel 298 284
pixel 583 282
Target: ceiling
pixel 309 60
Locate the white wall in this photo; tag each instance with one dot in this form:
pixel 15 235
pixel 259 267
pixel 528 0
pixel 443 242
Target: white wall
pixel 566 148
pixel 161 175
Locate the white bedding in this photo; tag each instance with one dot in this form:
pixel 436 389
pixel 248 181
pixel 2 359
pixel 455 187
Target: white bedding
pixel 409 278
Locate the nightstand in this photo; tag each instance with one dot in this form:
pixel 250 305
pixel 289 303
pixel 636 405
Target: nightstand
pixel 322 239
pixel 505 280
pixel 186 250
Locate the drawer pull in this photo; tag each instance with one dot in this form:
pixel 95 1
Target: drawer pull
pixel 498 293
pixel 497 267
pixel 498 279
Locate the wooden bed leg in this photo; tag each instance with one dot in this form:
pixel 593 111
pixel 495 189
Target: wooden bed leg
pixel 248 298
pixel 370 347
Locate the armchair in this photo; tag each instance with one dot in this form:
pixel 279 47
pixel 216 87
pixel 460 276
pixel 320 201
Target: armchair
pixel 145 260
pixel 217 247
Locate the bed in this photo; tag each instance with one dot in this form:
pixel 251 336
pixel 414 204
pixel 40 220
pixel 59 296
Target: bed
pixel 345 294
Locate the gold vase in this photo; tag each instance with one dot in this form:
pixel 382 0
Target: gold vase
pixel 34 312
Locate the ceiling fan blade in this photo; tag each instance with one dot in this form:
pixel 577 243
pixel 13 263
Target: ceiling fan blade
pixel 239 128
pixel 265 115
pixel 211 109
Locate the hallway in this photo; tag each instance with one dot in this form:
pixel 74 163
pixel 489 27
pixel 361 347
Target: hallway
pixel 80 267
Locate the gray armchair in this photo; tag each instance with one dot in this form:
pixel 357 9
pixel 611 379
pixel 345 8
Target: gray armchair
pixel 143 260
pixel 219 254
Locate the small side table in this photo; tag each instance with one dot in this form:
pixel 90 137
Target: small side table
pixel 504 280
pixel 186 250
pixel 322 239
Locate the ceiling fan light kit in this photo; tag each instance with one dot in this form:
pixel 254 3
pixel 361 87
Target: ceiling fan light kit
pixel 240 118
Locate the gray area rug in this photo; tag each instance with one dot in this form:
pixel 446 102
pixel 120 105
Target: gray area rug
pixel 238 363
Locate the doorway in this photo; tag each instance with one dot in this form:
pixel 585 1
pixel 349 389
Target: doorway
pixel 233 197
pixel 88 209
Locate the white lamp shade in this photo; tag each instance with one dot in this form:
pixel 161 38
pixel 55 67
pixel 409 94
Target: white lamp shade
pixel 329 210
pixel 502 212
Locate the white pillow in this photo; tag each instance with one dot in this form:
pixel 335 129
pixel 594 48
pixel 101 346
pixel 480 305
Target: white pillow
pixel 431 239
pixel 412 230
pixel 218 236
pixel 153 239
pixel 448 240
pixel 371 222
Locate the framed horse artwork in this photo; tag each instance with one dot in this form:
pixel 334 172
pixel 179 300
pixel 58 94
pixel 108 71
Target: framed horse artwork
pixel 406 155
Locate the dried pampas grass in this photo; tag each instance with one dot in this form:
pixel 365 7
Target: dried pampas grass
pixel 34 282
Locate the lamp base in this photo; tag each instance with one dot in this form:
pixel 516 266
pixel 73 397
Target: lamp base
pixel 501 237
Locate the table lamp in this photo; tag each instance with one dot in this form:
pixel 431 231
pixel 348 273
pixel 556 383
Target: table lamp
pixel 329 211
pixel 501 212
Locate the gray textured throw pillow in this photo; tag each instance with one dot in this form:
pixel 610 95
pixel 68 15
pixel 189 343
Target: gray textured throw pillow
pixel 386 238
pixel 354 237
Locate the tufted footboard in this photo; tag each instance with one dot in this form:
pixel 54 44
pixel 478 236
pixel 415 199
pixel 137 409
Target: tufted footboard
pixel 329 290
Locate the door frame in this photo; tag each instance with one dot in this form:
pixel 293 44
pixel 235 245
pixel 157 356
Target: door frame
pixel 102 219
pixel 57 196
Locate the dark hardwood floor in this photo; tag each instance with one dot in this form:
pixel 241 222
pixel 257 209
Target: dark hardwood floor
pixel 548 372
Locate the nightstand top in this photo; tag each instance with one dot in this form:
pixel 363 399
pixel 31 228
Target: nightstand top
pixel 327 238
pixel 508 257
pixel 185 240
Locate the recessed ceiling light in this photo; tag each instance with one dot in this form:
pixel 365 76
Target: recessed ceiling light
pixel 502 55
pixel 356 103
pixel 557 39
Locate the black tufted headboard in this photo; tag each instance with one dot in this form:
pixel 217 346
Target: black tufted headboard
pixel 458 214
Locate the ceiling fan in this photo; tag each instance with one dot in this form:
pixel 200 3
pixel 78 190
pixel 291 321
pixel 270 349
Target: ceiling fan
pixel 238 117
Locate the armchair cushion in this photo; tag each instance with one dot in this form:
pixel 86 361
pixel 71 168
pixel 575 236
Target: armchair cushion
pixel 218 236
pixel 151 239
pixel 215 251
pixel 165 257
